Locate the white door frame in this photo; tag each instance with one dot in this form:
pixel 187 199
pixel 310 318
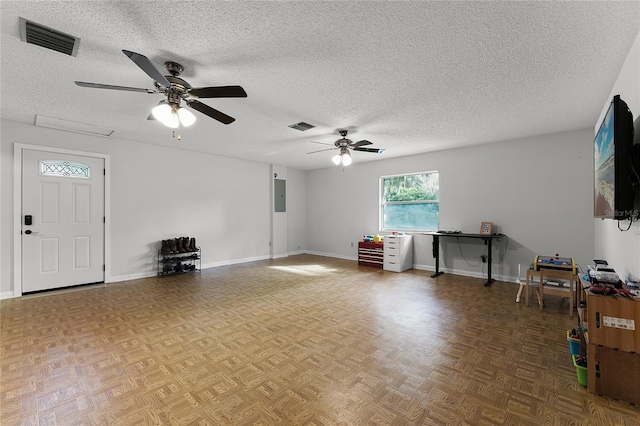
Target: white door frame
pixel 17 208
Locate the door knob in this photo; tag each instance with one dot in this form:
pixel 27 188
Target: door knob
pixel 28 231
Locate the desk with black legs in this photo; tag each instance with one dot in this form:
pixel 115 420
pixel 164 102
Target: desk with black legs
pixel 487 241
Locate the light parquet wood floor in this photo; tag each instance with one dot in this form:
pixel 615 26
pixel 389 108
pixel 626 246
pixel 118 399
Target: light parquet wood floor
pixel 301 340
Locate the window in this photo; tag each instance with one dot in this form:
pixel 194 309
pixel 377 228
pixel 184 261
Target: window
pixel 65 169
pixel 410 202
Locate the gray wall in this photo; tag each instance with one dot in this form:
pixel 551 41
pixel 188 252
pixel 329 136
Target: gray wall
pixel 537 191
pixel 159 193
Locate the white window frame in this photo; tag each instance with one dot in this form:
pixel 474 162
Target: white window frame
pixel 382 203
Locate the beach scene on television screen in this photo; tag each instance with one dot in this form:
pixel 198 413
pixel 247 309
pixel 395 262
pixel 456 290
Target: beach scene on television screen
pixel 604 169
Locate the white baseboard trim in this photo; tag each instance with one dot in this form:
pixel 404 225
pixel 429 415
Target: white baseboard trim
pixel 234 261
pixel 140 275
pixel 7 295
pixel 472 274
pixel 337 256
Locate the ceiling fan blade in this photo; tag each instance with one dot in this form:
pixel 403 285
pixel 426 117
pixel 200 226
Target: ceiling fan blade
pixel 219 92
pixel 376 150
pixel 321 150
pixel 145 65
pixel 109 86
pixel 213 113
pixel 322 143
pixel 361 143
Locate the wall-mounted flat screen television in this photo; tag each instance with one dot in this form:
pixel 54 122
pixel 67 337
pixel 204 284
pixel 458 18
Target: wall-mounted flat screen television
pixel 614 190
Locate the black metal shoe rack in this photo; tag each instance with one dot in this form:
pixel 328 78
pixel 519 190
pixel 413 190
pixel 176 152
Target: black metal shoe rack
pixel 179 263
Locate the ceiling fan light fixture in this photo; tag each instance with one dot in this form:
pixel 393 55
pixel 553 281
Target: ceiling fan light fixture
pixel 162 111
pixel 186 117
pixel 346 159
pixel 172 116
pixel 173 122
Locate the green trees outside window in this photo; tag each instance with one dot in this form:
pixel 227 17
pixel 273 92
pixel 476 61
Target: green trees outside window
pixel 410 202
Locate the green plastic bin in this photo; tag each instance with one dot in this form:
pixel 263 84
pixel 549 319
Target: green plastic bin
pixel 580 371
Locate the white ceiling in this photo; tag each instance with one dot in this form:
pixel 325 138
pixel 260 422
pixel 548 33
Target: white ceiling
pixel 410 77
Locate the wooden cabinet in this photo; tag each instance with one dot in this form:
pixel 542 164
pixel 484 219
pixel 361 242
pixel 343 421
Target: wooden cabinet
pixel 370 254
pixel 398 253
pixel 613 351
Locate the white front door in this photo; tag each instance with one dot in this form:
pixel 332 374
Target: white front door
pixel 62 220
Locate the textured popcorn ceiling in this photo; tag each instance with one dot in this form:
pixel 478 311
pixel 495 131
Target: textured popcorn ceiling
pixel 411 77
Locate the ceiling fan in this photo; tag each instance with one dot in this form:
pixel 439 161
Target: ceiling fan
pixel 169 111
pixel 344 145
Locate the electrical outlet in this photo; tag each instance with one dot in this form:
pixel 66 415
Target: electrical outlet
pixel 484 258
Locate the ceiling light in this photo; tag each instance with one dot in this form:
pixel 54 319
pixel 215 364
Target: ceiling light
pixel 186 117
pixel 344 157
pixel 173 115
pixel 162 111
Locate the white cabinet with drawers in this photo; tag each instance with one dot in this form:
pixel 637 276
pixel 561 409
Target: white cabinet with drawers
pixel 398 253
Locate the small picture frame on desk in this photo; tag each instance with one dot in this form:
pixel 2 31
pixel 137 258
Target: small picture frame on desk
pixel 486 228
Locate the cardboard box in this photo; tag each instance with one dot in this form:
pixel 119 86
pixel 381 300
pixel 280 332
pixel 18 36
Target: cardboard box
pixel 614 322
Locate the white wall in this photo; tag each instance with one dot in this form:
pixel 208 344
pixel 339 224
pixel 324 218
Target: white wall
pixel 622 249
pixel 537 191
pixel 159 193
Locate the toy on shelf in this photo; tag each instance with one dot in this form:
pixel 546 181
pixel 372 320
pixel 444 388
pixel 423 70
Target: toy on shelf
pixel 373 238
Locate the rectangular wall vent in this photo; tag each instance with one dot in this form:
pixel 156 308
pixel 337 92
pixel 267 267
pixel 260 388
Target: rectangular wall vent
pixel 302 126
pixel 46 37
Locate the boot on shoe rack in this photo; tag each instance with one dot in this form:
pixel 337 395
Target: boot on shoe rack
pixel 172 246
pixel 179 245
pixel 192 245
pixel 185 244
pixel 165 247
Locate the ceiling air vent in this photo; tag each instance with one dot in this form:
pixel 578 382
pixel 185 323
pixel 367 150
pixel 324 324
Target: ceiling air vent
pixel 302 126
pixel 48 38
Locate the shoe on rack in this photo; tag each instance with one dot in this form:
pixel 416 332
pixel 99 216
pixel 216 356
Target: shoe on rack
pixel 178 267
pixel 165 247
pixel 185 244
pixel 192 245
pixel 179 247
pixel 172 246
